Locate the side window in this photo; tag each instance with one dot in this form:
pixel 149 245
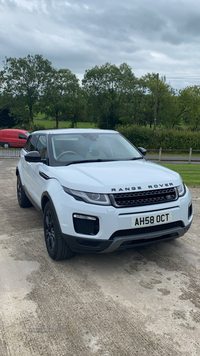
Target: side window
pixel 22 137
pixel 31 143
pixel 42 146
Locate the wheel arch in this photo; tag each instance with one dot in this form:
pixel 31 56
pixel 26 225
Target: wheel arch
pixel 44 200
pixel 19 171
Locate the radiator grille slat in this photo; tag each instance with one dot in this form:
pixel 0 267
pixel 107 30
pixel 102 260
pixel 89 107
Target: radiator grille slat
pixel 150 197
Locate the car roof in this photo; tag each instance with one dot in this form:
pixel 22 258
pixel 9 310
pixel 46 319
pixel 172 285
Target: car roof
pixel 72 131
pixel 15 130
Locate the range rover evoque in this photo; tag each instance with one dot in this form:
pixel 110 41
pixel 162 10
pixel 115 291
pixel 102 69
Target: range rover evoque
pixel 98 193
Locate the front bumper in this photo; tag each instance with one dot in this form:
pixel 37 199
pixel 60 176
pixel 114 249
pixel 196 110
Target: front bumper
pixel 115 224
pixel 122 240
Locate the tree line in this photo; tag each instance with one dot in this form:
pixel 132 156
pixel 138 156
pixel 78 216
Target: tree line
pixel 109 95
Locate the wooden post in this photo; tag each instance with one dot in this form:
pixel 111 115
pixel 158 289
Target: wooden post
pixel 160 152
pixel 190 155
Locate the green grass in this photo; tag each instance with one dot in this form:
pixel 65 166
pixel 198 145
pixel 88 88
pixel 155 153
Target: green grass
pixel 40 116
pixel 50 124
pixel 190 173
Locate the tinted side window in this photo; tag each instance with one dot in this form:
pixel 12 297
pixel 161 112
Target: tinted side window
pixel 42 146
pixel 31 143
pixel 22 137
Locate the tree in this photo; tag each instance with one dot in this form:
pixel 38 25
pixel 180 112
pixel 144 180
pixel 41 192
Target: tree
pixel 78 107
pixel 62 97
pixel 24 79
pixel 189 105
pixel 130 96
pixel 109 89
pixel 167 107
pixel 12 111
pixel 6 119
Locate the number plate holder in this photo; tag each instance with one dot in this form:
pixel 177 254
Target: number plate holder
pixel 151 219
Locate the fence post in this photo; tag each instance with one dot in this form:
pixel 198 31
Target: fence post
pixel 160 153
pixel 190 155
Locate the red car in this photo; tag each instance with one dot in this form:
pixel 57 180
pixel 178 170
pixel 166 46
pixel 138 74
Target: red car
pixel 13 137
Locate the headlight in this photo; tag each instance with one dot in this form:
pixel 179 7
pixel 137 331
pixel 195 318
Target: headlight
pixel 181 190
pixel 92 198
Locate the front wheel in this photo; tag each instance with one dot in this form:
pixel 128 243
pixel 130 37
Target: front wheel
pixel 57 248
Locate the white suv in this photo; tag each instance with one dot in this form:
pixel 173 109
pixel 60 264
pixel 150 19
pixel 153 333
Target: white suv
pixel 98 193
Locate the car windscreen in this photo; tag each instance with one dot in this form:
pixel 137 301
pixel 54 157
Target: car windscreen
pixel 85 147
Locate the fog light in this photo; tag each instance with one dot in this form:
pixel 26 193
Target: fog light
pixel 86 224
pixel 190 210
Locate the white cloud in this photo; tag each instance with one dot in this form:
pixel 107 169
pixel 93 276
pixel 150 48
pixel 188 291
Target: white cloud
pixel 150 35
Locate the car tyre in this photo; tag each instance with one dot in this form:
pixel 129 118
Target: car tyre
pixel 57 248
pixel 23 200
pixel 6 145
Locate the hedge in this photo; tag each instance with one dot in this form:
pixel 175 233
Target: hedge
pixel 167 139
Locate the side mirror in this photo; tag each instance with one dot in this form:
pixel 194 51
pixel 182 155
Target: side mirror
pixel 142 150
pixel 33 156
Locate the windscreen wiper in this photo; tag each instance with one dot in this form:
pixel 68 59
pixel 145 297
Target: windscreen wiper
pixel 135 158
pixel 86 161
pixel 102 160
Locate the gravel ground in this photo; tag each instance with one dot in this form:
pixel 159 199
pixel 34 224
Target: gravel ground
pixel 144 301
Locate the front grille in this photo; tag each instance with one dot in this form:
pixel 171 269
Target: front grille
pixel 147 197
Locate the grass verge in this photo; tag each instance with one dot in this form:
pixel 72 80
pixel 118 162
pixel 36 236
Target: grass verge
pixel 190 173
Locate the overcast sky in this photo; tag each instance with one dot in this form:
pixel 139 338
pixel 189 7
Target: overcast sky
pixel 160 36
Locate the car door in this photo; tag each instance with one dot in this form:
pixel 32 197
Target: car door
pixel 40 170
pixel 35 180
pixel 21 140
pixel 28 167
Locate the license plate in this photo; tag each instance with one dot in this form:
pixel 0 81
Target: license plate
pixel 150 220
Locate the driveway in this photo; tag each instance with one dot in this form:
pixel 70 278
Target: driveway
pixel 144 301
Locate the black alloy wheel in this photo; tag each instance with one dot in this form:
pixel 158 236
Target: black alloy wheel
pixel 57 247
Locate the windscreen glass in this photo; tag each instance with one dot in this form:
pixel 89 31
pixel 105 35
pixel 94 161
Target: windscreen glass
pixel 92 146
